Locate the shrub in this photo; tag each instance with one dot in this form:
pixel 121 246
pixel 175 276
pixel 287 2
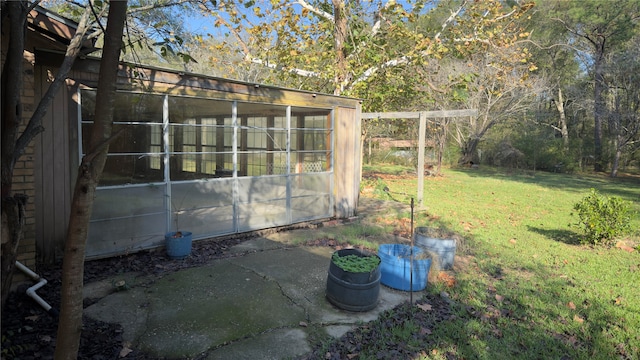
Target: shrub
pixel 602 218
pixel 381 190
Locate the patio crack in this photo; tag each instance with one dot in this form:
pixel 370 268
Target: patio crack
pixel 283 292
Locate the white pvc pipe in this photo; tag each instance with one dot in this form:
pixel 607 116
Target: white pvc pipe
pixel 31 292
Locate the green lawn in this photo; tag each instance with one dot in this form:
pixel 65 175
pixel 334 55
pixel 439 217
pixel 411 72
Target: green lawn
pixel 525 287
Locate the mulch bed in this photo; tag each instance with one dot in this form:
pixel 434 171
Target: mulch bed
pixel 28 332
pixel 374 340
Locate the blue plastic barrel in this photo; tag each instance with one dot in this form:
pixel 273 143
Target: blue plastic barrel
pixel 396 269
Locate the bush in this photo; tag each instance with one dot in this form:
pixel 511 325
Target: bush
pixel 602 218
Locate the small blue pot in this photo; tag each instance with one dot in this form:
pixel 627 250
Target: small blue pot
pixel 178 247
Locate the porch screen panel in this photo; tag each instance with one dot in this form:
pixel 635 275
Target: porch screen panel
pixel 311 153
pixel 262 202
pixel 126 219
pixel 262 166
pixel 311 196
pixel 311 133
pixel 282 172
pixel 129 208
pixel 203 207
pixel 201 164
pixel 278 135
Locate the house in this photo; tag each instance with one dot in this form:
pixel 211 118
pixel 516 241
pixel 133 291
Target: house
pixel 208 155
pixel 384 143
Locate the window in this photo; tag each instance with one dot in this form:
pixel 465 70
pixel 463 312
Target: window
pixel 262 143
pixel 310 141
pixel 271 139
pixel 201 135
pixel 135 154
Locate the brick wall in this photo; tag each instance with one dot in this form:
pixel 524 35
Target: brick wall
pixel 23 174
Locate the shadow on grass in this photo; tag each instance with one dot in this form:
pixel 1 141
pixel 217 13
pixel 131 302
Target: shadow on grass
pixel 624 187
pixel 561 235
pixel 501 315
pixel 504 311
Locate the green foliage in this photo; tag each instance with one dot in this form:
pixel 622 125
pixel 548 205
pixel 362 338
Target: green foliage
pixel 355 263
pixel 524 273
pixel 602 218
pixel 10 350
pixel 381 189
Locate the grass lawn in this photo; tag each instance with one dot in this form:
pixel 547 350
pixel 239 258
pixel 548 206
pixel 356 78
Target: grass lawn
pixel 524 286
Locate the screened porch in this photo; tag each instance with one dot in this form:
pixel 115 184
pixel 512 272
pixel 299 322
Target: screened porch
pixel 205 165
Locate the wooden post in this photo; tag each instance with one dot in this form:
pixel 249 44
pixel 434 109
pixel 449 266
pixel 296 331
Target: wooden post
pixel 421 147
pixel 422 116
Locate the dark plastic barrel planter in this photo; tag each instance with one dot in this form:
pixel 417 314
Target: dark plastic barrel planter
pixel 396 269
pixel 178 245
pixel 353 291
pixel 444 248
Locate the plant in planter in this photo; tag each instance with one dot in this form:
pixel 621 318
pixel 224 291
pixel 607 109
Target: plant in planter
pixel 353 282
pixel 355 263
pixel 178 243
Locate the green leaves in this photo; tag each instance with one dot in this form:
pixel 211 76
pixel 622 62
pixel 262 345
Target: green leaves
pixel 602 218
pixel 167 48
pixel 355 263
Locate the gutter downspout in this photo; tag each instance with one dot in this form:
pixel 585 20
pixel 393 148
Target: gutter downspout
pixel 31 292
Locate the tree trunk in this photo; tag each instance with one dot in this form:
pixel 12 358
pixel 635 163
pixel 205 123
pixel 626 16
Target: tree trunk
pixel 599 107
pixel 468 150
pixel 616 161
pixel 12 73
pixel 340 38
pixel 16 13
pixel 370 150
pixel 13 146
pixel 12 225
pixel 70 325
pixel 442 140
pixel 563 122
pixel 615 125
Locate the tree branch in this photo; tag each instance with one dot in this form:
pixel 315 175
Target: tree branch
pixel 254 60
pixel 378 24
pixel 450 19
pixel 406 59
pixel 156 6
pixel 100 147
pixel 34 127
pixel 315 10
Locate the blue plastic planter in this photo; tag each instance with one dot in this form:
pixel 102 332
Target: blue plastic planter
pixel 178 247
pixel 396 269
